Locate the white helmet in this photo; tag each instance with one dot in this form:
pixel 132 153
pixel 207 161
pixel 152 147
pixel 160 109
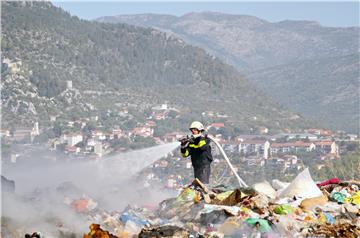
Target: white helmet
pixel 197 125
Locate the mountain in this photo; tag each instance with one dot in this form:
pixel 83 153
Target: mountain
pixel 250 43
pixel 255 46
pixel 325 89
pixel 55 64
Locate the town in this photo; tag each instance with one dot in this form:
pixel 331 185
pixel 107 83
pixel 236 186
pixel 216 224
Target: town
pixel 288 152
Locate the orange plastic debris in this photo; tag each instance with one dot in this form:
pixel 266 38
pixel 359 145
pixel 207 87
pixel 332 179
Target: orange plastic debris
pixel 97 232
pixel 80 205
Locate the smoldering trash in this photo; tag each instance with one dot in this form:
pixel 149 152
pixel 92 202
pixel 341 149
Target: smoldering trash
pixel 299 209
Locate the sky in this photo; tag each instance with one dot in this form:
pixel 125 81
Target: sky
pixel 330 13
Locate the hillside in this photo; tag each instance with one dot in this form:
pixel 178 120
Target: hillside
pixel 116 68
pixel 325 89
pixel 257 47
pixel 248 42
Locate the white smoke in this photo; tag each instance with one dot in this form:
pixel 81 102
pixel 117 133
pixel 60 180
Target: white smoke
pixel 108 180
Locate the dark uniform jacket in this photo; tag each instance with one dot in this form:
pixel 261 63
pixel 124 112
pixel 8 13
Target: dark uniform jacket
pixel 199 150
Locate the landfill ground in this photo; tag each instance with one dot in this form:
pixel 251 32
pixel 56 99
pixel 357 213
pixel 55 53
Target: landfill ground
pixel 301 208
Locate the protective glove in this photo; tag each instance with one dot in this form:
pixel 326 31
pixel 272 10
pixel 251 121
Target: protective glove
pixel 184 143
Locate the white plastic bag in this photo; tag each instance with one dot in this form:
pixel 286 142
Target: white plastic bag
pixel 265 188
pixel 279 185
pixel 303 186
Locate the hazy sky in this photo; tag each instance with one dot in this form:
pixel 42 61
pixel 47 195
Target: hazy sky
pixel 326 13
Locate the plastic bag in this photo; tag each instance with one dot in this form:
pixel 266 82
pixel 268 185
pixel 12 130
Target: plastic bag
pixel 284 209
pixel 303 186
pixel 265 188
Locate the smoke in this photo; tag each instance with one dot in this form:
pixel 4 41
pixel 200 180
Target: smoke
pixel 43 184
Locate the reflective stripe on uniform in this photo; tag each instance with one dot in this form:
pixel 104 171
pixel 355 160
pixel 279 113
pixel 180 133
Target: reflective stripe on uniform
pixel 201 144
pixel 186 154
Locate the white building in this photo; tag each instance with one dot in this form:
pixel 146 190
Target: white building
pixel 69 84
pixel 74 139
pixel 98 149
pixel 171 183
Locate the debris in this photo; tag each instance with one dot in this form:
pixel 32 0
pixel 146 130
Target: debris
pixel 188 195
pixel 303 210
pixel 164 231
pixel 34 235
pixel 214 217
pixel 97 232
pixel 345 230
pixel 309 203
pixel 327 182
pixel 84 205
pixel 263 224
pixel 265 188
pixel 229 198
pixel 278 185
pixel 284 209
pixel 303 186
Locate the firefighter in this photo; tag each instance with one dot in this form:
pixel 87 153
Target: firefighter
pixel 198 148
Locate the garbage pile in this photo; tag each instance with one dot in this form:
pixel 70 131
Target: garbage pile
pixel 299 209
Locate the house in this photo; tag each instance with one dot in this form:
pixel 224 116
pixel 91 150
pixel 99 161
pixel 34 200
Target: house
pixel 23 134
pixel 98 149
pixel 255 161
pixel 73 139
pixel 80 123
pixel 158 141
pixel 72 149
pixel 14 66
pixel 150 176
pixel 292 159
pixel 35 130
pixel 216 125
pixel 327 147
pixel 69 84
pixel 109 136
pixel 297 136
pixel 142 131
pixel 5 133
pixel 118 133
pixel 289 161
pixel 163 164
pixel 263 130
pixel 254 147
pixel 254 137
pixel 91 142
pixel 229 146
pixel 94 118
pixel 352 137
pixel 171 183
pixel 320 166
pixel 121 149
pixel 329 156
pixel 160 107
pixel 160 116
pixel 99 135
pixel 173 136
pixel 320 132
pixel 291 147
pixel 208 113
pixel 26 133
pixel 150 124
pixel 219 115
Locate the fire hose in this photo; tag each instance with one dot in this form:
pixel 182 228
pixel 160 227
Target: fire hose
pixel 241 182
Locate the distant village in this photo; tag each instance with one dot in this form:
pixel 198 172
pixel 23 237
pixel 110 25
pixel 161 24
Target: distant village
pixel 252 150
pixel 280 151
